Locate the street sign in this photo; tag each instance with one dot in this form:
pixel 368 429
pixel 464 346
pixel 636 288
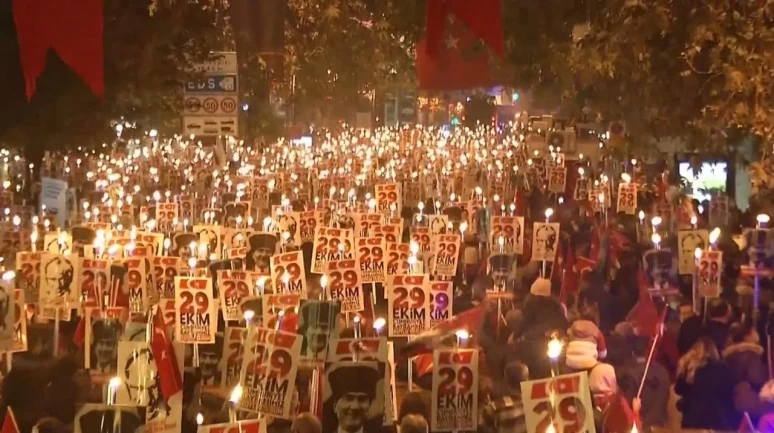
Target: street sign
pixel 211 103
pixel 213 83
pixel 211 125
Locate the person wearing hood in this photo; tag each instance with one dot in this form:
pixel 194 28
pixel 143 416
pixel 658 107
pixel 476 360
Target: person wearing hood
pixel 612 412
pixel 586 343
pixel 718 323
pixel 706 389
pixel 743 356
pixel 655 392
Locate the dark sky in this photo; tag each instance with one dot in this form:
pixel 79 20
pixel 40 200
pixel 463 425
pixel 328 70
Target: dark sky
pixel 12 99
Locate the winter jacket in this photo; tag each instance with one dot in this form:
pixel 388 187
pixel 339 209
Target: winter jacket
pixel 613 414
pixel 587 344
pixel 690 331
pixel 655 392
pixel 707 403
pixel 749 375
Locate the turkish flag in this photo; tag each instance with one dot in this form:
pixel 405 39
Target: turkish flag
pixel 456 64
pixel 73 29
pixel 643 315
pixel 9 424
pixel 166 361
pixel 482 17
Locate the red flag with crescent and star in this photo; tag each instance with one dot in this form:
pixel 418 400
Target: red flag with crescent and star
pixel 166 361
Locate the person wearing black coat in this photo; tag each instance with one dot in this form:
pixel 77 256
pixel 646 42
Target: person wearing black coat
pixel 718 323
pixel 706 389
pixel 744 358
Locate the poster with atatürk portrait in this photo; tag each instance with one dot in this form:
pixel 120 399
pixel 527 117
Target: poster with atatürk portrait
pixel 59 279
pixel 103 331
pixel 353 398
pixel 545 241
pixel 318 323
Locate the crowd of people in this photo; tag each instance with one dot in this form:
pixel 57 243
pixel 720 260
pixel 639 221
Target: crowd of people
pixel 655 360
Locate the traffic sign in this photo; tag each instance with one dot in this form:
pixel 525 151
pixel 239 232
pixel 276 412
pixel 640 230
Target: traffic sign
pixel 213 84
pixel 210 105
pixel 211 125
pixel 222 63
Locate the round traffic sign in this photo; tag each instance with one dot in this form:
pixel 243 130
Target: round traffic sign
pixel 228 105
pixel 193 105
pixel 210 105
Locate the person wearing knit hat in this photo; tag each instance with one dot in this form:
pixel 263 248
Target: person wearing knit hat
pixel 541 287
pixel 586 345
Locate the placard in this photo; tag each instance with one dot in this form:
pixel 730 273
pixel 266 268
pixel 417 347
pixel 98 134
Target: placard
pixel 102 333
pixel 423 238
pixel 102 418
pixel 348 380
pixel 407 304
pixel 166 270
pixel 208 236
pixel 367 224
pixel 20 323
pixel 709 274
pixel 627 198
pixel 331 245
pixel 233 288
pixel 269 371
pixel 166 214
pixel 557 179
pixel 28 275
pixel 437 223
pixel 569 393
pixel 390 233
pixel 441 302
pixel 455 390
pixel 397 258
pixel 370 259
pixel 687 242
pixel 318 323
pixel 545 241
pixel 288 273
pixel 344 285
pixel 196 319
pixel 139 299
pixel 7 315
pixel 511 229
pixel 231 360
pixel 308 222
pixel 278 307
pixel 369 350
pixel 447 255
pixel 59 279
pixel 95 277
pixel 718 210
pixel 386 195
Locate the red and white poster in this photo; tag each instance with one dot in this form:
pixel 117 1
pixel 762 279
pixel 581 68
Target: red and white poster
pixel 278 307
pixel 196 319
pixel 627 198
pixel 331 245
pixel 269 371
pixel 233 288
pixel 397 258
pixel 710 268
pixel 441 301
pixel 367 224
pixel 447 255
pixel 166 213
pixel 231 361
pixel 423 237
pixel 511 230
pixel 390 233
pixel 28 275
pixel 288 273
pixel 308 222
pixel 455 391
pixel 248 426
pixel 563 400
pixel 557 179
pixel 407 304
pixel 166 269
pixel 370 256
pixel 344 285
pixel 95 277
pixel 136 282
pixel 388 194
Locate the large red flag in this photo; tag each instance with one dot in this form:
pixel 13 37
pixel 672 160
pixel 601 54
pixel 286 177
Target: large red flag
pixel 73 30
pixel 482 17
pixel 643 315
pixel 9 424
pixel 455 66
pixel 166 360
pixel 570 280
